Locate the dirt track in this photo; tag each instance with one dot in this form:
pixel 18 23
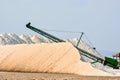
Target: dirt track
pixel 48 76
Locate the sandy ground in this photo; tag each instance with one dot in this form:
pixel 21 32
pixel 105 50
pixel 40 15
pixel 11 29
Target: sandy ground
pixel 48 76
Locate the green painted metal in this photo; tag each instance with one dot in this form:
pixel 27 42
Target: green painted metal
pixel 89 55
pixel 79 39
pixel 108 61
pixel 55 39
pixel 111 62
pixel 51 37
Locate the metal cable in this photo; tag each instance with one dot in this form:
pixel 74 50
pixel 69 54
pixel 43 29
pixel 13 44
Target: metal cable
pixel 62 31
pixel 88 40
pixel 72 32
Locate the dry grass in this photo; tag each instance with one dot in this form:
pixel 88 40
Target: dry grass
pixel 48 76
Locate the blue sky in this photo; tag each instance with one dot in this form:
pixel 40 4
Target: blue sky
pixel 99 19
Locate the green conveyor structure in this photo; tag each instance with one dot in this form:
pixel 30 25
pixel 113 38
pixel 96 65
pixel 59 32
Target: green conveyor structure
pixel 108 61
pixel 49 36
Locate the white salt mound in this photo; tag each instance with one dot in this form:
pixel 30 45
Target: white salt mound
pixel 13 39
pixel 45 57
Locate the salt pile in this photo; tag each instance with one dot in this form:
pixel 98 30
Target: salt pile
pixel 12 49
pixel 53 58
pixel 12 38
